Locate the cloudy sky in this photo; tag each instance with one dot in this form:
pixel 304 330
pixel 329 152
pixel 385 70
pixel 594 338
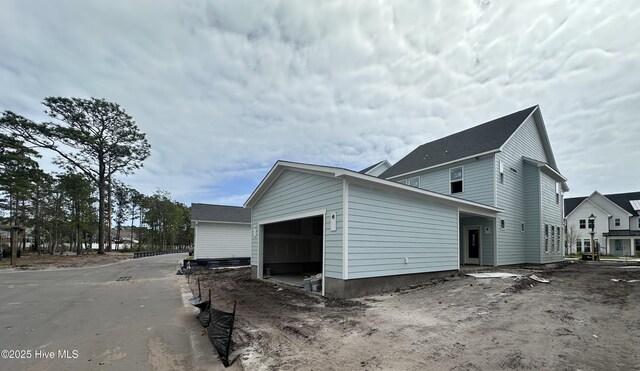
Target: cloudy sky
pixel 225 88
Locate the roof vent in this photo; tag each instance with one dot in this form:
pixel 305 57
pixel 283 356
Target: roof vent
pixel 446 151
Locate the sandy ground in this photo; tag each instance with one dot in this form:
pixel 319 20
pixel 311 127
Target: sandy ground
pixel 580 320
pixel 46 261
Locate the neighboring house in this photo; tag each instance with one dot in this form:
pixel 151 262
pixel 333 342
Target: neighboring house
pixel 490 195
pixel 616 225
pixel 376 169
pixel 221 232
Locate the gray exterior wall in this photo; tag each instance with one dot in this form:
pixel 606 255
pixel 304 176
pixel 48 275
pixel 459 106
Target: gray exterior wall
pixel 299 192
pixel 551 215
pixel 385 227
pixel 478 180
pixel 525 141
pixel 533 229
pixel 486 239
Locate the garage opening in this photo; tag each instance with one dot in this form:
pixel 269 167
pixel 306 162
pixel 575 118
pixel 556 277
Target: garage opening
pixel 293 250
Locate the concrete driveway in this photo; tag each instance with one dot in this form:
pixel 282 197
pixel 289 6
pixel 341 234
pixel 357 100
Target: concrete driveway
pixel 122 316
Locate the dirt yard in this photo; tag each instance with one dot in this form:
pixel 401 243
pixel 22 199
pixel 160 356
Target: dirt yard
pixel 580 320
pixel 46 261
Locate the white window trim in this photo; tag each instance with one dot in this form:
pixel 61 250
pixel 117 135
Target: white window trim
pixel 460 180
pixel 616 222
pixel 580 224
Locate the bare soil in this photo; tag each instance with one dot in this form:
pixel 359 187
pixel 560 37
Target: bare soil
pixel 47 261
pixel 580 320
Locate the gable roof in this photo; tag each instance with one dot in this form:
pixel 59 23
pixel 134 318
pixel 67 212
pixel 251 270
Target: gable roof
pixel 484 138
pixel 571 203
pixel 220 213
pixel 341 173
pixel 368 168
pixel 623 200
pixel 376 169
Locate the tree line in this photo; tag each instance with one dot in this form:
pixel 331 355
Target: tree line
pixel 94 141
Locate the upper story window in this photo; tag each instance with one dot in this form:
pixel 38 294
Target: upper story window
pixel 557 193
pixel 638 224
pixel 583 223
pixel 501 168
pixel 414 182
pixel 456 178
pixel 616 222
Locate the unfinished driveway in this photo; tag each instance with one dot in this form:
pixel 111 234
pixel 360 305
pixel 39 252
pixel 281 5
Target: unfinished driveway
pixel 581 319
pixel 124 316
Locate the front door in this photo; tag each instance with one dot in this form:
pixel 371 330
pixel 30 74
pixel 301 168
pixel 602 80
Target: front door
pixel 472 246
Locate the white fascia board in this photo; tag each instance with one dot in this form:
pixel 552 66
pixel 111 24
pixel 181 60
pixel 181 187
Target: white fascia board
pixel 276 171
pixel 368 180
pixel 434 196
pixel 591 202
pixel 612 203
pixel 445 163
pixel 545 168
pixel 383 162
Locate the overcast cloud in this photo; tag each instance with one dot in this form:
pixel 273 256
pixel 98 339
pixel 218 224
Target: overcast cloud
pixel 225 88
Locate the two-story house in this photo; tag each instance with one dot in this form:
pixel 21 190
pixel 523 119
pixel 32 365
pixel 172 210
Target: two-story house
pixel 616 225
pixel 489 195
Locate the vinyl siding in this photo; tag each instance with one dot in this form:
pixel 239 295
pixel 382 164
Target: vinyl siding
pixel 510 195
pixel 551 215
pixel 221 240
pixel 384 228
pixel 486 239
pixel 296 192
pixel 533 231
pixel 477 180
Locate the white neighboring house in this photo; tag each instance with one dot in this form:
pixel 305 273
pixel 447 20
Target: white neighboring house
pixel 221 232
pixel 617 222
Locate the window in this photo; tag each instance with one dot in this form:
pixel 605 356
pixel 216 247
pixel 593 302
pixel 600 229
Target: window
pixel 616 222
pixel 546 238
pixel 591 224
pixel 638 224
pixel 557 193
pixel 501 173
pixel 587 246
pixel 578 246
pixel 553 238
pixel 502 224
pixel 415 181
pixel 583 224
pixel 456 178
pixel 522 227
pixel 558 239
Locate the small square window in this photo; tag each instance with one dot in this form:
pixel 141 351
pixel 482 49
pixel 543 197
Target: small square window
pixel 414 182
pixel 502 224
pixel 583 223
pixel 617 222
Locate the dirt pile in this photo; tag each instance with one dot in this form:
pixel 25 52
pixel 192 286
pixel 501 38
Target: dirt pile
pixel 581 319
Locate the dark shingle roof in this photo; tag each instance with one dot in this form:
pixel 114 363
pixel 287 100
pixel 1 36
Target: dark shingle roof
pixel 571 203
pixel 478 139
pixel 621 199
pixel 220 213
pixel 364 171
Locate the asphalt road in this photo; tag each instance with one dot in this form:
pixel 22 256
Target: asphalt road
pixel 123 316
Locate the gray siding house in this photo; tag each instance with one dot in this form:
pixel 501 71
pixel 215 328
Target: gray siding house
pixel 489 195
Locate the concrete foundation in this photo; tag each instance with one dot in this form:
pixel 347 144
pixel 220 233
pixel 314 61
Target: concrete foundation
pixel 347 289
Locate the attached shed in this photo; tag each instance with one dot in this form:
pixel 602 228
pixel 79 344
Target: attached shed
pixel 363 233
pixel 221 232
